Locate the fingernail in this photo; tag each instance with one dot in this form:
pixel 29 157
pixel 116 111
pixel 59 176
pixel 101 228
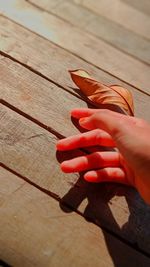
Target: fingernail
pixel 83 120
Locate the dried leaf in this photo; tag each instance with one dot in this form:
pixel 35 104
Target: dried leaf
pixel 113 97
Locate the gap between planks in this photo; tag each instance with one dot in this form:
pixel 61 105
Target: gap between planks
pixel 108 9
pixel 25 75
pixel 40 74
pixel 28 212
pixel 66 88
pixel 58 199
pixel 98 9
pixel 60 15
pixel 70 53
pixel 78 101
pixel 127 70
pixel 27 116
pixel 143 6
pixel 59 85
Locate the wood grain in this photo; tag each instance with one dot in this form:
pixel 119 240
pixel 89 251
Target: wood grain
pixel 84 45
pixel 37 90
pixel 143 6
pixel 36 232
pixel 42 100
pixel 31 93
pixel 116 35
pixel 53 63
pixel 29 150
pixel 121 13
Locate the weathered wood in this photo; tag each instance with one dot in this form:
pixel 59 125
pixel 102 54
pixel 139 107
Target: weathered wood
pixel 36 232
pixel 78 42
pixel 143 6
pixel 120 13
pixel 30 150
pixel 52 4
pixel 20 44
pixel 40 99
pixel 75 14
pixel 113 33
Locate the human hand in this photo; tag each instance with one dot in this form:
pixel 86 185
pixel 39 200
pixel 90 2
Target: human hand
pixel 130 164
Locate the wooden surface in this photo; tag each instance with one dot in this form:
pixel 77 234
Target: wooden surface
pixel 121 13
pixel 39 42
pixel 20 44
pixel 78 42
pixel 106 29
pixel 39 219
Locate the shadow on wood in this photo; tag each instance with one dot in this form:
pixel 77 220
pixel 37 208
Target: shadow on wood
pixel 98 210
pixel 99 198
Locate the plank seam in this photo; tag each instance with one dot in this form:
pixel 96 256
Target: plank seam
pixel 57 198
pixel 38 73
pixel 53 195
pixel 42 125
pixel 37 122
pixel 96 13
pixel 77 56
pixel 49 193
pixel 136 8
pixel 92 34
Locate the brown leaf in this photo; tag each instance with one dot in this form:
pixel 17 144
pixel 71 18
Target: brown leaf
pixel 112 97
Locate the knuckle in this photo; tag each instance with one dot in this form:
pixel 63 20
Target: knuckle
pixel 98 115
pixel 141 122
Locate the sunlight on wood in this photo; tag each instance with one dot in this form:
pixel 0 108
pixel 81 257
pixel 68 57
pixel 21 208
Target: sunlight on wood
pixel 24 13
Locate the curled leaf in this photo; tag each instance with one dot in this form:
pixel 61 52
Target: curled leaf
pixel 112 97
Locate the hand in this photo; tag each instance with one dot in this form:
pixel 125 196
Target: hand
pixel 130 164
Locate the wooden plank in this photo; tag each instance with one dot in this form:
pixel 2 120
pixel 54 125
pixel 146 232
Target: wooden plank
pixel 82 44
pixel 15 42
pixel 29 150
pixel 42 100
pixel 36 232
pixel 69 11
pixel 52 4
pixel 30 93
pixel 121 13
pixel 143 6
pixel 113 33
pixel 34 149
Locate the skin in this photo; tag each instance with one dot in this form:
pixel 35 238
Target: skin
pixel 128 164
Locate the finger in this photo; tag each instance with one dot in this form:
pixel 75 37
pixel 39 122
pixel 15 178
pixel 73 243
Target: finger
pixel 83 112
pixel 106 120
pixel 91 138
pixel 93 161
pixel 108 174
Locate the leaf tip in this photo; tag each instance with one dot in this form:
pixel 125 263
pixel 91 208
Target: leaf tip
pixel 79 72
